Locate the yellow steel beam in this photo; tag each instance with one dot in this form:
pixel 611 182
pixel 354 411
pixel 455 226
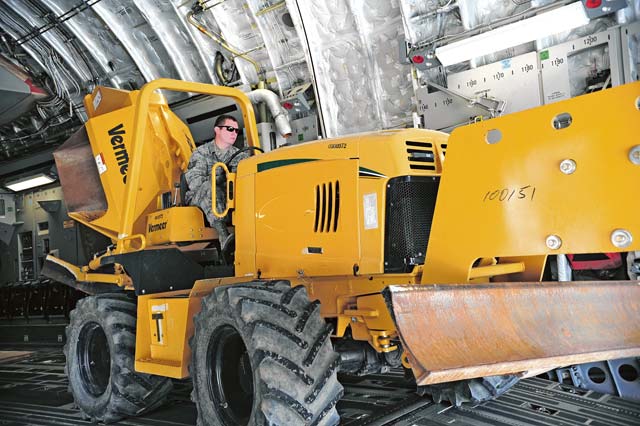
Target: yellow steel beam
pixel 139 128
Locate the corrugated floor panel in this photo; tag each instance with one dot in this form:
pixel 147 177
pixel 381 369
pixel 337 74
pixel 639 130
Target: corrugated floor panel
pixel 33 391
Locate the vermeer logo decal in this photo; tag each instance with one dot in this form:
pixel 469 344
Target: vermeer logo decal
pixel 337 145
pixel 157 227
pixel 117 143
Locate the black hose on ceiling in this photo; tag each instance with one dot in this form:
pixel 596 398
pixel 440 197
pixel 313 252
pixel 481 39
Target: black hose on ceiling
pixel 231 76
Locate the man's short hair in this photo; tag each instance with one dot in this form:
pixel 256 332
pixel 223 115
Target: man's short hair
pixel 222 118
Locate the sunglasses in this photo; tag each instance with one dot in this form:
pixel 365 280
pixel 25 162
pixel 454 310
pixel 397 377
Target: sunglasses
pixel 230 129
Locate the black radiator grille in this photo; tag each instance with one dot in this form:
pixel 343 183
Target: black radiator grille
pixel 410 205
pixel 327 207
pixel 420 155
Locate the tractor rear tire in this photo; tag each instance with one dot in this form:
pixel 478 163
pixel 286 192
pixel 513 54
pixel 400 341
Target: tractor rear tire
pixel 262 355
pixel 100 348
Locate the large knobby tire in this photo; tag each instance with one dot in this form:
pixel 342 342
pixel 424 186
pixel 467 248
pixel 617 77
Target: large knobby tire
pixel 100 348
pixel 471 390
pixel 262 355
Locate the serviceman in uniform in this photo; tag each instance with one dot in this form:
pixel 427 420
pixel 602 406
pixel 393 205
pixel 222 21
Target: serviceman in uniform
pixel 198 175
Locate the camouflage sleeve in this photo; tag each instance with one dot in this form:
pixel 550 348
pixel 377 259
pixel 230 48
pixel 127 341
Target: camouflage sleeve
pixel 198 176
pixel 234 164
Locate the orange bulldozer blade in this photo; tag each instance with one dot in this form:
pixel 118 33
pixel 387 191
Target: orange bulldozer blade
pixel 456 332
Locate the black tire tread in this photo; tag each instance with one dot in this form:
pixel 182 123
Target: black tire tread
pixel 306 314
pixel 129 393
pixel 469 391
pixel 302 344
pixel 320 339
pixel 285 363
pixel 267 322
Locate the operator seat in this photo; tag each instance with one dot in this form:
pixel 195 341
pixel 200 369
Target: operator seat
pixel 227 249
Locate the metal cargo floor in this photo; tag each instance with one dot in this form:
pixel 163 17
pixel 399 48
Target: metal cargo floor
pixel 33 391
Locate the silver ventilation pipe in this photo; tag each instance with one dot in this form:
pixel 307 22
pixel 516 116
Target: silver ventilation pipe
pixel 277 111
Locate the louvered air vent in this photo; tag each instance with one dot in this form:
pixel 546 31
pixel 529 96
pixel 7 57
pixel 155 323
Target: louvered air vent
pixel 327 207
pixel 420 155
pixel 443 149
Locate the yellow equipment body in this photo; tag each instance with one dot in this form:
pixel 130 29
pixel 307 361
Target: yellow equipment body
pixel 177 224
pixel 440 259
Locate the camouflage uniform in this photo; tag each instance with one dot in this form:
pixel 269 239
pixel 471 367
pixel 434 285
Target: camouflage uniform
pixel 198 177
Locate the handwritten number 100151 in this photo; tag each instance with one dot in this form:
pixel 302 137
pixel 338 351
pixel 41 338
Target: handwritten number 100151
pixel 510 194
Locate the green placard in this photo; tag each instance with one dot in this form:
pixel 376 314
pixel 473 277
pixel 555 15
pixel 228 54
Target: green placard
pixel 544 55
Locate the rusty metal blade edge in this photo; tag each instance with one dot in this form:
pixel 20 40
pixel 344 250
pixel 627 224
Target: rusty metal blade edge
pixel 543 364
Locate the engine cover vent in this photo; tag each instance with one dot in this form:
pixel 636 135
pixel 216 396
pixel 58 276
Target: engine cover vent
pixel 327 207
pixel 421 155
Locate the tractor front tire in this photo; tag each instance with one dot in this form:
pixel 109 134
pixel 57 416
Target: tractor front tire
pixel 470 391
pixel 100 348
pixel 262 355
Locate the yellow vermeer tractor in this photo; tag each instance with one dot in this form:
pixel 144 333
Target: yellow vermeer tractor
pixel 357 255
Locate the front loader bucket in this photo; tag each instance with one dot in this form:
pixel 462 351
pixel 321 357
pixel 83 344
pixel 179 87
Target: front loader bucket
pixel 79 176
pixel 456 332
